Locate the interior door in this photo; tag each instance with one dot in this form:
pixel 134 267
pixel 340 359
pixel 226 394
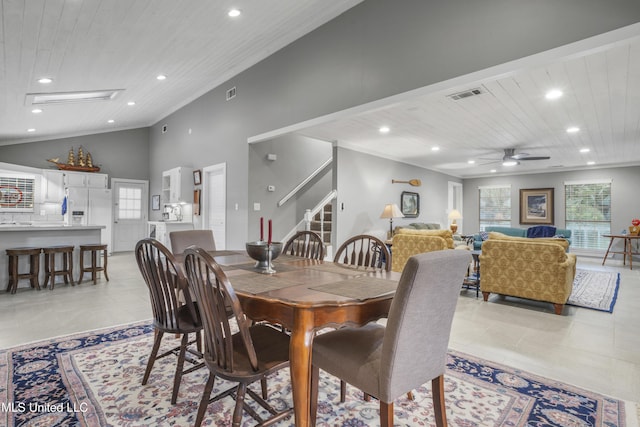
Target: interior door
pixel 130 199
pixel 214 191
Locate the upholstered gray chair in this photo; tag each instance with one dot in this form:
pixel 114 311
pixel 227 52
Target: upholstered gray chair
pixel 386 362
pixel 181 240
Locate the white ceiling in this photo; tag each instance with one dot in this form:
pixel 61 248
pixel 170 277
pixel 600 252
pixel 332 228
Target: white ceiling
pixel 601 89
pixel 124 44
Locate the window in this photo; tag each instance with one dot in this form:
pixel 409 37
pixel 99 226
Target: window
pixel 16 193
pixel 130 203
pixel 495 206
pixel 588 213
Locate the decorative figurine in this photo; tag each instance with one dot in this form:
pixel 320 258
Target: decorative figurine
pixel 71 158
pixel 81 161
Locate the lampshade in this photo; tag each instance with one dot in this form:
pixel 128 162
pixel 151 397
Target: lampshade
pixel 455 214
pixel 391 211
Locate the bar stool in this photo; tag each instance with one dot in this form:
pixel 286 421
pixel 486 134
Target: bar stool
pixel 34 267
pixel 50 271
pixel 94 261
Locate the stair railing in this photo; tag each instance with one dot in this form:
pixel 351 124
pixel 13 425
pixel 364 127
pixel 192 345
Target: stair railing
pixel 305 224
pixel 304 182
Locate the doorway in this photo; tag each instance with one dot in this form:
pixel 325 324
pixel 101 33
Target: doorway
pixel 130 204
pixel 214 212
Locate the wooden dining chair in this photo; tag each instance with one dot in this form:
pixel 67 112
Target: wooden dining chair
pixel 247 356
pixel 364 251
pixel 181 240
pixel 171 314
pixel 306 244
pixel 387 361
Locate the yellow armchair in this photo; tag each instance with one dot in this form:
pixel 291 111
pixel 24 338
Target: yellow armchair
pixel 537 269
pixel 411 242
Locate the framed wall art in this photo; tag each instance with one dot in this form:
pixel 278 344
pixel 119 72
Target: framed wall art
pixel 536 206
pixel 197 177
pixel 410 204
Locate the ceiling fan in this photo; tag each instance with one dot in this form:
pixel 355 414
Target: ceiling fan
pixel 511 158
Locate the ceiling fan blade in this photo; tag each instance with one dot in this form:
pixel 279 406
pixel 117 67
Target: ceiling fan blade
pixel 533 158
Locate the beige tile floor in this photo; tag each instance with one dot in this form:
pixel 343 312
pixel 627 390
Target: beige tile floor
pixel 594 350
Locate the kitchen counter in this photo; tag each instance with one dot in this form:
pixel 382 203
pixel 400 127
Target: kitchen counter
pixel 39 236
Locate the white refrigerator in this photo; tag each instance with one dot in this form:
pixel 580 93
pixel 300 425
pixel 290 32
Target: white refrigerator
pixel 91 206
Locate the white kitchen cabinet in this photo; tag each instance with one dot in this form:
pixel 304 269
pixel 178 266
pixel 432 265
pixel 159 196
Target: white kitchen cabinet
pixel 177 185
pixel 86 179
pixel 52 186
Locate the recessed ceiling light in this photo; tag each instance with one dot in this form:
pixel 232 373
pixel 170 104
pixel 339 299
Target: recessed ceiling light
pixel 471 161
pixel 435 148
pixel 45 80
pixel 493 171
pixel 553 94
pixel 31 130
pixel 234 13
pixel 384 129
pixel 161 77
pixel 585 150
pixel 509 163
pixel 591 163
pixel 111 121
pixel 36 111
pixel 573 129
pixel 131 103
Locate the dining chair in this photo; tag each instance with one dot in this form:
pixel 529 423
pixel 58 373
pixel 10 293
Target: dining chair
pixel 306 244
pixel 181 240
pixel 364 251
pixel 171 314
pixel 252 353
pixel 386 361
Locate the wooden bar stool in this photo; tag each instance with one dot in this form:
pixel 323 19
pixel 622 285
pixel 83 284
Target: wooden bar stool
pixel 94 261
pixel 34 267
pixel 50 271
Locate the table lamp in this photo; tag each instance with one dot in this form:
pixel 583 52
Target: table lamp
pixel 391 211
pixel 453 215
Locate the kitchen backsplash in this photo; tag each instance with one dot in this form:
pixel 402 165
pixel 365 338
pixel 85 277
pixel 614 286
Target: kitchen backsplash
pixel 42 212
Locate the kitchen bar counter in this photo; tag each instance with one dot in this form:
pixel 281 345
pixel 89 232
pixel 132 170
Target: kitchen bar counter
pixel 25 235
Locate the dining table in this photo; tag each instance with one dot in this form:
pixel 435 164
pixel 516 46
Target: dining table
pixel 304 296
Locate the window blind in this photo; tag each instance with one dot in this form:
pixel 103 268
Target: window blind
pixel 588 213
pixel 495 206
pixel 16 194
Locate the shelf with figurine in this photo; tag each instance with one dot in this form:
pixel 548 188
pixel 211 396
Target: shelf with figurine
pixel 82 164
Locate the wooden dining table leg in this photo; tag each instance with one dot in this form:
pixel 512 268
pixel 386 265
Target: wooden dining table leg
pixel 300 365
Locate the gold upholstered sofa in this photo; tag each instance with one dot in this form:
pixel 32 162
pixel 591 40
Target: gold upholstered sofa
pixel 538 269
pixel 407 242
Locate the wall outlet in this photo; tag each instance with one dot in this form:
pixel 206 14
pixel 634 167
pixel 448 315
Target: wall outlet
pixel 256 206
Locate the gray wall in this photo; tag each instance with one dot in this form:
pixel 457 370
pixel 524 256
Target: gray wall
pixel 297 158
pixel 625 204
pixel 122 154
pixel 364 188
pixel 370 52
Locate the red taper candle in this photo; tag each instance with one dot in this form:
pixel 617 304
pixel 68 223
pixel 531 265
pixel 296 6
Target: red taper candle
pixel 262 229
pixel 269 242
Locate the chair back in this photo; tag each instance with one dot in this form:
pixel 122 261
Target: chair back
pixel 216 298
pixel 166 283
pixel 365 251
pixel 181 240
pixel 416 339
pixel 306 244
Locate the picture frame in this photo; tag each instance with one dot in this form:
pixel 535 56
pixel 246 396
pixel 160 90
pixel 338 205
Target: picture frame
pixel 410 204
pixel 197 177
pixel 536 206
pixel 155 202
pixel 196 202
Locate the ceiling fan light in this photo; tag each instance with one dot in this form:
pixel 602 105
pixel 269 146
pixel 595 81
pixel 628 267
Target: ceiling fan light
pixel 509 163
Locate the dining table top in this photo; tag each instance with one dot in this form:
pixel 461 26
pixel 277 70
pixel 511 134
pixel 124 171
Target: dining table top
pixel 303 281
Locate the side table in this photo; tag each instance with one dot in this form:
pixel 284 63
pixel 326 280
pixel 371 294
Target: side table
pixel 628 247
pixel 472 279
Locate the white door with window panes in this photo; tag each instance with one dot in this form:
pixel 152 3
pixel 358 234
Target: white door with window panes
pixel 130 212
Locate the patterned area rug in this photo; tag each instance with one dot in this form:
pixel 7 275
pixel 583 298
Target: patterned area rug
pixel 595 289
pixel 93 379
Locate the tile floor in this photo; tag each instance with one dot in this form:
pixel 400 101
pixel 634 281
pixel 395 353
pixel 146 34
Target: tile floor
pixel 594 350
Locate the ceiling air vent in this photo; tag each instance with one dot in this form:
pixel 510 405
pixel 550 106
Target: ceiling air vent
pixel 466 94
pixel 71 97
pixel 231 93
